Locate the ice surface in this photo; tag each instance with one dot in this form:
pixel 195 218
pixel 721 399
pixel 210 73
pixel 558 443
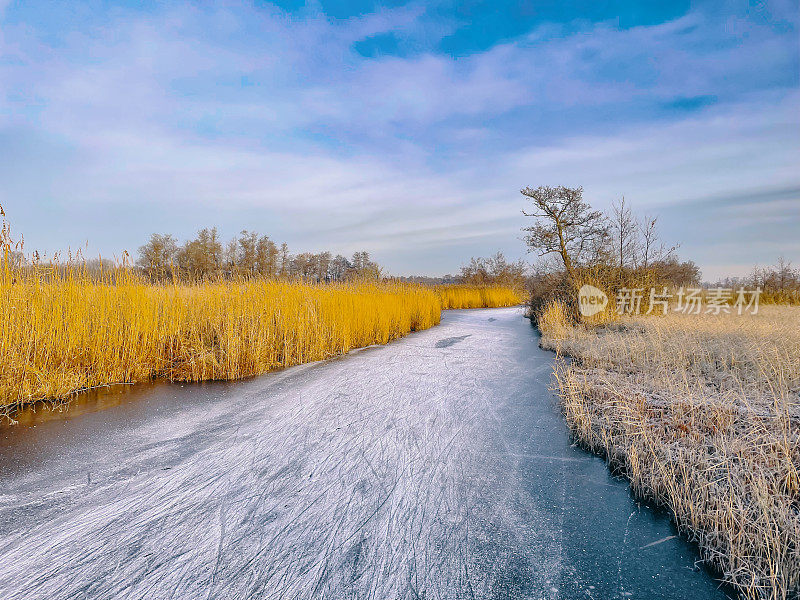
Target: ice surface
pixel 422 469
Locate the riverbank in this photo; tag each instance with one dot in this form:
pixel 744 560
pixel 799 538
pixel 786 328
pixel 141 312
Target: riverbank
pixel 64 332
pixel 701 413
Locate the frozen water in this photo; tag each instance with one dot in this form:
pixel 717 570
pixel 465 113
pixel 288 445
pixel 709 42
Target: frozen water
pixel 435 467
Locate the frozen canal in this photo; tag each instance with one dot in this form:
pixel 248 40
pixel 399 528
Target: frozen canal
pixel 435 467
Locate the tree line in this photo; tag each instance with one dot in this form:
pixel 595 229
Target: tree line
pixel 780 282
pixel 617 249
pixel 245 255
pixel 567 227
pixel 495 270
pixel 613 249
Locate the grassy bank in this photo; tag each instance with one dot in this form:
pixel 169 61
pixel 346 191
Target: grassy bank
pixel 63 331
pixel 469 296
pixel 702 414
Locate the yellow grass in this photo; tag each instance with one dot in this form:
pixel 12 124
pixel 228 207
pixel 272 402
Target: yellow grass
pixel 467 296
pixel 65 333
pixel 702 413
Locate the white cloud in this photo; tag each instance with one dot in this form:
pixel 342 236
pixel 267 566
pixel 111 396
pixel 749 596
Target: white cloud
pixel 150 112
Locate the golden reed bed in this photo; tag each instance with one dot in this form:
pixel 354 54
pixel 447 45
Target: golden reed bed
pixel 702 413
pixel 63 331
pixel 470 296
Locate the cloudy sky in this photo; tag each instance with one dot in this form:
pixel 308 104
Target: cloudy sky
pixel 403 128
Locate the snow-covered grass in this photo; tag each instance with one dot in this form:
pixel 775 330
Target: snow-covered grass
pixel 702 414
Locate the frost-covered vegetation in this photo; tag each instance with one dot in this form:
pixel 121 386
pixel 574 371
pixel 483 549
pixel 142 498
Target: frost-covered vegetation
pixel 702 413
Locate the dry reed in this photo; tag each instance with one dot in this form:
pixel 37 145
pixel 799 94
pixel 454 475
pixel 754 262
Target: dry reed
pixel 702 414
pixel 63 332
pixel 470 296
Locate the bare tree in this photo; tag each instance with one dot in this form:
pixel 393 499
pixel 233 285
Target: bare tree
pixel 230 256
pixel 248 242
pixel 303 265
pixel 323 266
pixel 203 256
pixel 624 228
pixel 157 255
pixel 360 260
pixel 651 248
pixel 266 257
pixel 783 273
pixel 678 274
pixel 363 267
pixel 339 267
pixel 494 270
pixel 285 260
pixel 247 254
pixel 565 225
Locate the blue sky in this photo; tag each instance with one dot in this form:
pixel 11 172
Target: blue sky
pixel 403 128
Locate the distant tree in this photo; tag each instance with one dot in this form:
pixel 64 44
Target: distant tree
pixel 95 266
pixel 324 260
pixel 248 254
pixel 360 260
pixel 248 243
pixel 650 246
pixel 494 270
pixel 625 239
pixel 285 261
pixel 230 257
pixel 339 268
pixel 781 281
pixel 304 265
pixel 476 272
pixel 266 257
pixel 202 257
pixel 362 267
pixel 782 276
pixel 565 225
pixel 676 273
pixel 158 254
